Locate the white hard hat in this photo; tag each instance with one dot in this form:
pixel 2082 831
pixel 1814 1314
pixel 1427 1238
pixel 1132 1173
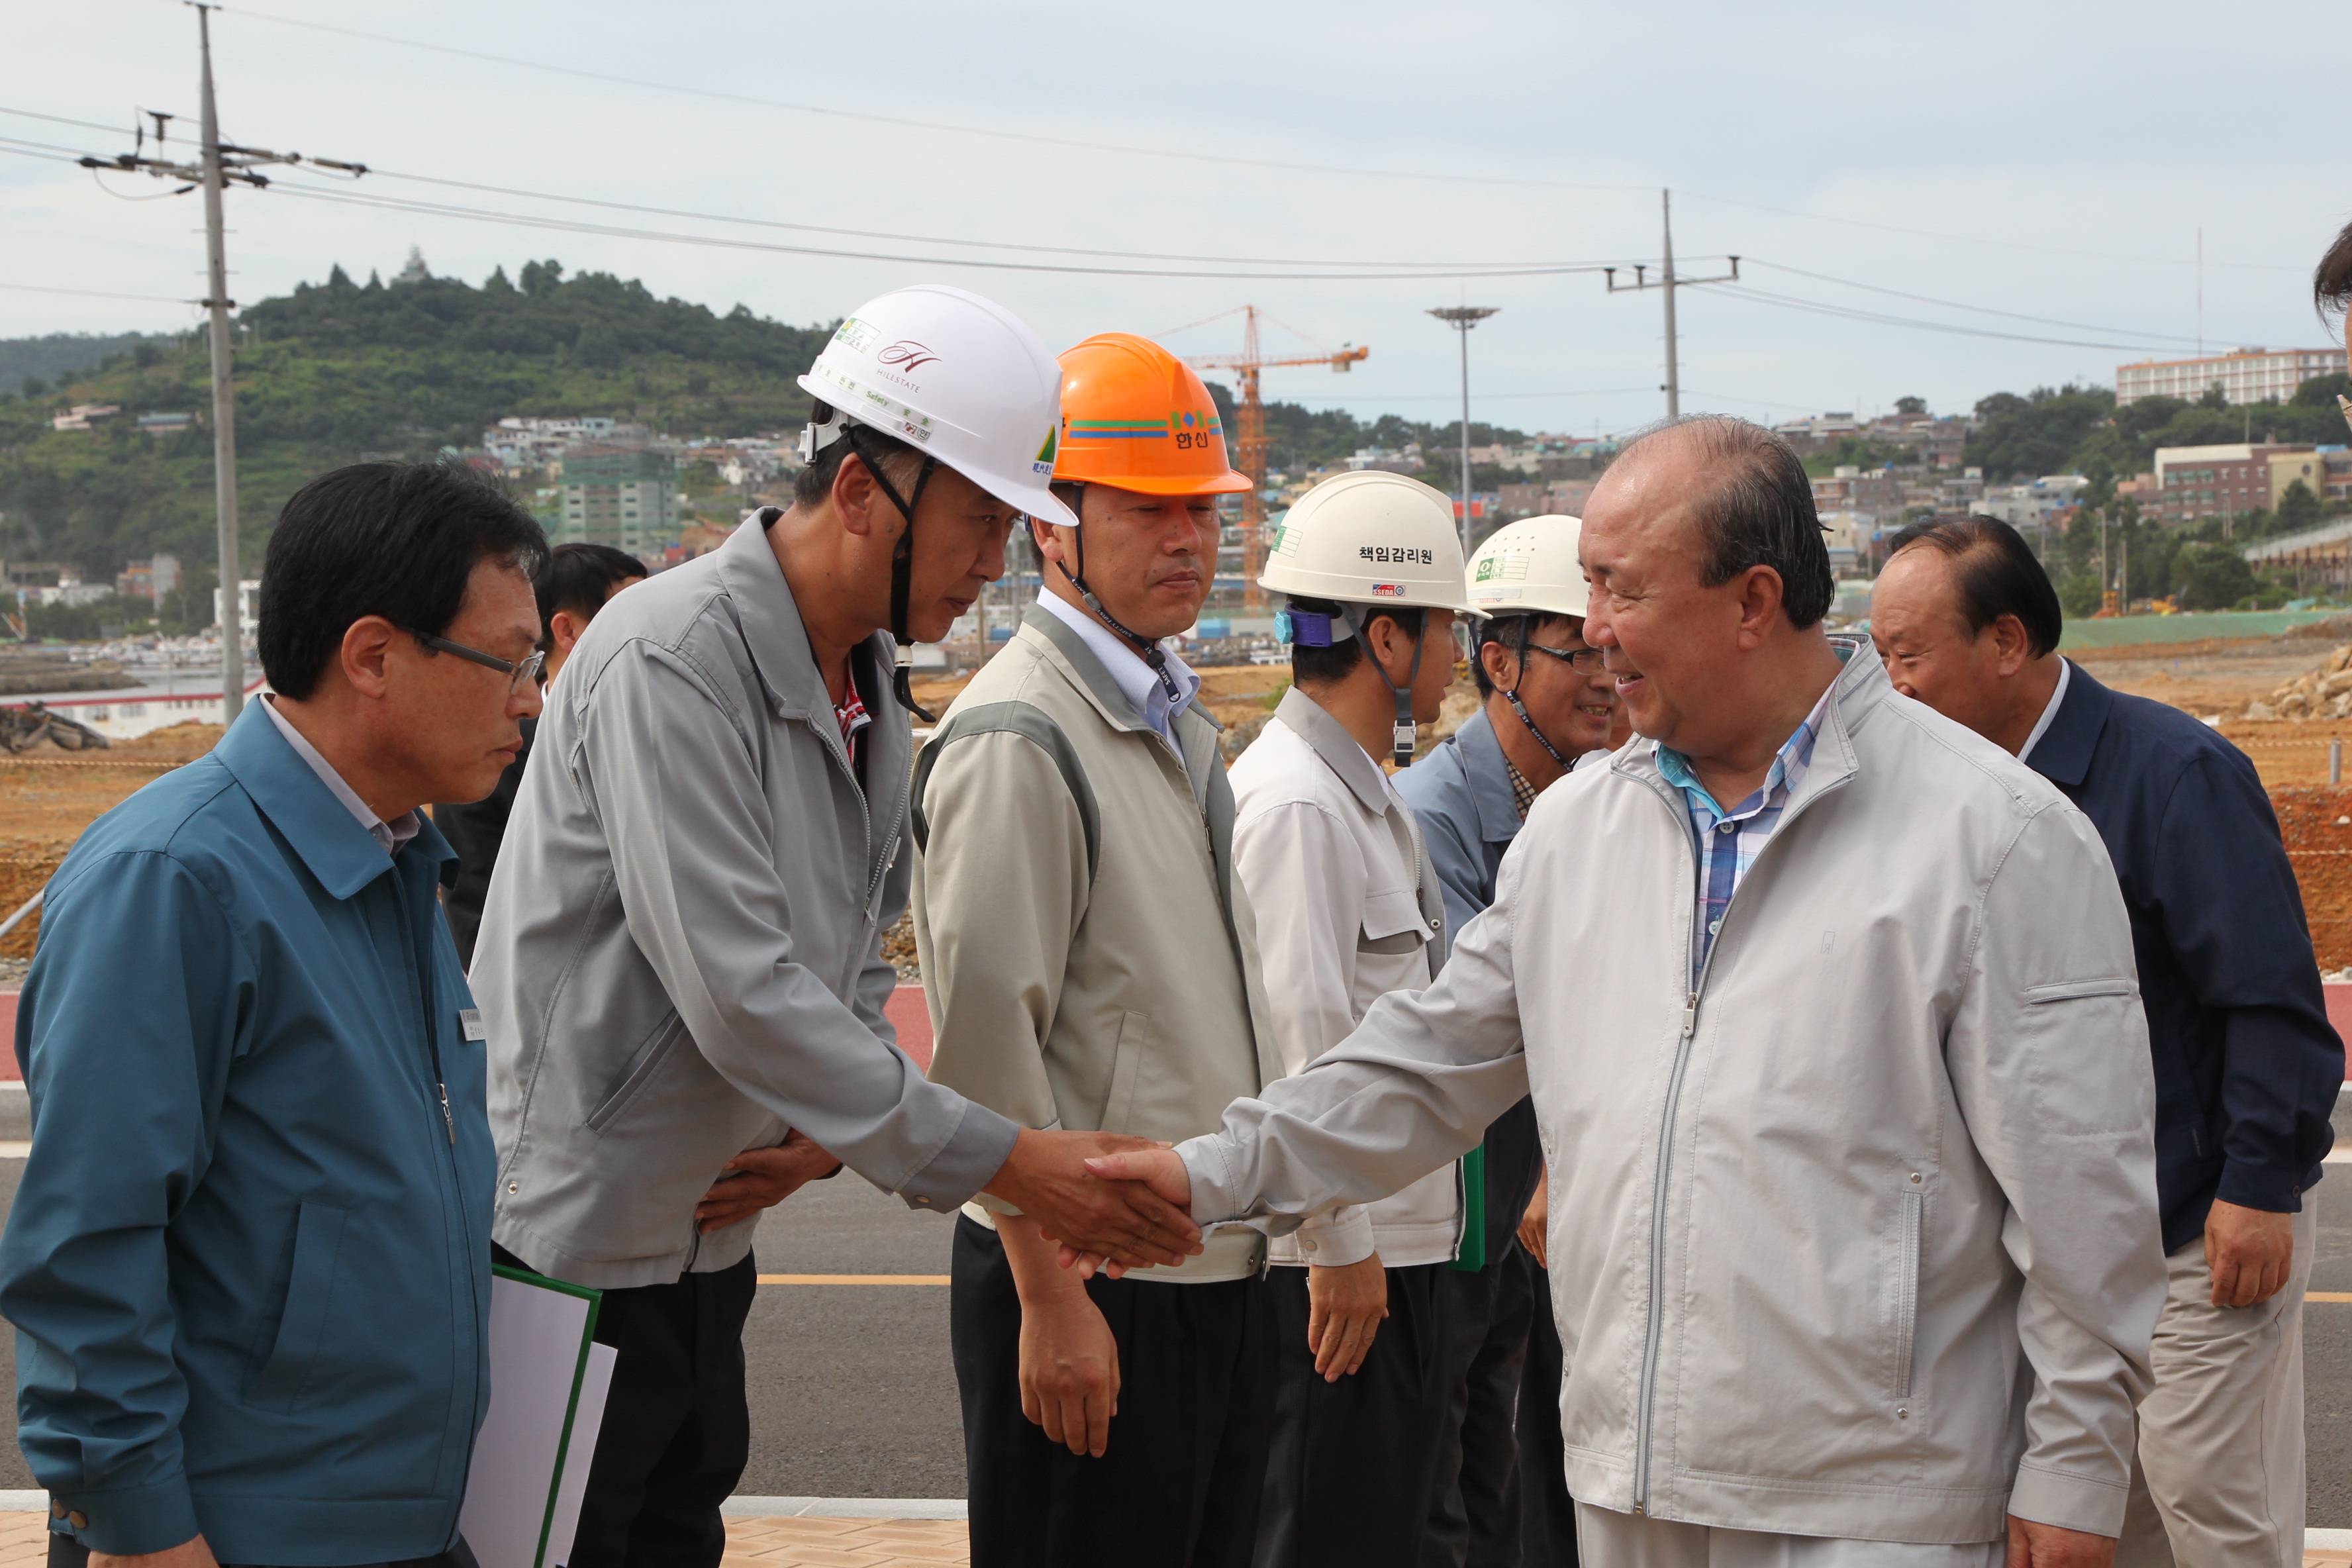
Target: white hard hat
pixel 1369 538
pixel 956 378
pixel 1528 567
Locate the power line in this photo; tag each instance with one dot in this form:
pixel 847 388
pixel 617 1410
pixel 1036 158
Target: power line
pixel 1184 156
pixel 1956 305
pixel 1849 313
pixel 95 294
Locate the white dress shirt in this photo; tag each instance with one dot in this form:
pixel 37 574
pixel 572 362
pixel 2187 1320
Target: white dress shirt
pixel 391 834
pixel 2049 712
pixel 1145 692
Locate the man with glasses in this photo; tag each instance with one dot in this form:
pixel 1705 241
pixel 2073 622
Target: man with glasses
pixel 1548 705
pixel 249 1261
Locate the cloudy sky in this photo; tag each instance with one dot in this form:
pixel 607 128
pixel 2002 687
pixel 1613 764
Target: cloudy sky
pixel 1875 165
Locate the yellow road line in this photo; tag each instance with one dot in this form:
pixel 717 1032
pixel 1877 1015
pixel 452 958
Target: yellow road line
pixel 877 1280
pixel 2327 1295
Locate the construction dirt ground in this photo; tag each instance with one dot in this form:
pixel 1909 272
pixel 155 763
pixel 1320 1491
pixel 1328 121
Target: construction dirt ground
pixel 46 801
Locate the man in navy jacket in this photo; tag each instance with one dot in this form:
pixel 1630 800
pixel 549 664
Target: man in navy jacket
pixel 2247 1067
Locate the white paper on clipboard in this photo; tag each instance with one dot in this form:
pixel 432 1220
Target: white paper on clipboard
pixel 537 1341
pixel 587 1420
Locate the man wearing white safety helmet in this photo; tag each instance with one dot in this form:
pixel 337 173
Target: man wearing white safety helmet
pixel 1501 1497
pixel 1349 908
pixel 680 965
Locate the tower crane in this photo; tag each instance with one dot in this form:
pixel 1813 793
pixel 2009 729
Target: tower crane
pixel 1252 442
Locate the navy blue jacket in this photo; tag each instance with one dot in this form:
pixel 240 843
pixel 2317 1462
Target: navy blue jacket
pixel 1462 798
pixel 2247 1067
pixel 249 1261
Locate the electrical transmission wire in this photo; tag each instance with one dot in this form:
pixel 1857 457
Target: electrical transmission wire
pixel 93 293
pixel 1844 312
pixel 1956 305
pixel 1186 155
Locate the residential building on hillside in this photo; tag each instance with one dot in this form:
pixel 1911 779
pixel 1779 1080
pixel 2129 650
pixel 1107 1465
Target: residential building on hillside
pixel 1853 488
pixel 2045 503
pixel 1386 460
pixel 625 496
pixel 2193 482
pixel 150 579
pixel 2326 471
pixel 1562 498
pixel 2244 375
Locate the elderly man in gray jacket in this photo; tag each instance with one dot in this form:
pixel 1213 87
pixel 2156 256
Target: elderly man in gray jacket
pixel 1840 1068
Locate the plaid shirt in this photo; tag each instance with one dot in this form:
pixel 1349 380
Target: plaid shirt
pixel 1729 841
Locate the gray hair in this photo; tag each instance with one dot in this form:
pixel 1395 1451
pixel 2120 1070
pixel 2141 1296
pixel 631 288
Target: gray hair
pixel 1759 512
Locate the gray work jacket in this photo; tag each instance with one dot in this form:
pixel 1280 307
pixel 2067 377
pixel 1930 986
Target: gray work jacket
pixel 1857 1237
pixel 679 956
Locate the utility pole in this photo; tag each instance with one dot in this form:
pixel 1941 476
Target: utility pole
pixel 1669 282
pixel 217 302
pixel 217 164
pixel 1462 317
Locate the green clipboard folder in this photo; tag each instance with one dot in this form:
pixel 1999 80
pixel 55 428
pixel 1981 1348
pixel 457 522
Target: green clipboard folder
pixel 548 1382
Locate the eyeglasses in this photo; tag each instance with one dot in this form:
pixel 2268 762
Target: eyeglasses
pixel 516 674
pixel 1583 660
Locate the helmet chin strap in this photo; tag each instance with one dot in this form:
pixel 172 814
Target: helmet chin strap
pixel 1404 739
pixel 1146 648
pixel 1519 708
pixel 902 569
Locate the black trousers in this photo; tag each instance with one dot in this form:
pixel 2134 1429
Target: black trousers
pixel 1546 1513
pixel 1347 1483
pixel 1474 1506
pixel 677 1427
pixel 1178 1485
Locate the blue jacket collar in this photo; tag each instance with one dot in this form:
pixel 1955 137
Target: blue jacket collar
pixel 2063 753
pixel 1490 780
pixel 343 856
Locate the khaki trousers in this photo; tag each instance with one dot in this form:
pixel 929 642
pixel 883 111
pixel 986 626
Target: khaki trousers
pixel 2219 1480
pixel 1607 1539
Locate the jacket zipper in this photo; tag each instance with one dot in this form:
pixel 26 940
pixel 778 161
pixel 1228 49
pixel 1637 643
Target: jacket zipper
pixel 1644 1413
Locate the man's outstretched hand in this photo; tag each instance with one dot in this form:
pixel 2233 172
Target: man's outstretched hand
pixel 1098 1214
pixel 1162 1173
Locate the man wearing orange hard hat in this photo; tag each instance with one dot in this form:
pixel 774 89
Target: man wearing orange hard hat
pixel 1090 962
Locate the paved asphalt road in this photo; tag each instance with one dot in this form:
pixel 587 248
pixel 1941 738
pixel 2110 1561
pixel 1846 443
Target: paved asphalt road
pixel 853 1393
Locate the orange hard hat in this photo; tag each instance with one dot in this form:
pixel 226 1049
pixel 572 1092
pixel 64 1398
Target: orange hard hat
pixel 1136 416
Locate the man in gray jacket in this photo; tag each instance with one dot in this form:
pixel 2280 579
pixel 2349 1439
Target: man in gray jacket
pixel 679 962
pixel 1839 1063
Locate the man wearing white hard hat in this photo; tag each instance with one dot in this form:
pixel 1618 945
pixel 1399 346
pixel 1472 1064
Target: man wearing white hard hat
pixel 1501 1494
pixel 1090 962
pixel 680 965
pixel 1349 907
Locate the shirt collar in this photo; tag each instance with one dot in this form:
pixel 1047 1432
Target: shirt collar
pixel 2049 711
pixel 1146 693
pixel 1329 739
pixel 390 835
pixel 1788 764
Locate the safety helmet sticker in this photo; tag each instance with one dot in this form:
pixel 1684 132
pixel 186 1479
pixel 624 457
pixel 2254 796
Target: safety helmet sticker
pixel 857 334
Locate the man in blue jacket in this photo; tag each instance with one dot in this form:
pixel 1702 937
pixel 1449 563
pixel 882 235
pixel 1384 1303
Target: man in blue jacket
pixel 2247 1068
pixel 249 1261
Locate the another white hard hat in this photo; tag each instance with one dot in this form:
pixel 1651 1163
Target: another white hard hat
pixel 958 378
pixel 1369 538
pixel 1530 565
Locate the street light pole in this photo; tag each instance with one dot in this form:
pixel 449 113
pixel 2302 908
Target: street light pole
pixel 1462 317
pixel 217 300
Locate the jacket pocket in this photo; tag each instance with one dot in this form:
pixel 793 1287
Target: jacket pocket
pixel 1392 923
pixel 1907 1288
pixel 308 1309
pixel 1125 1071
pixel 636 1072
pixel 2071 1093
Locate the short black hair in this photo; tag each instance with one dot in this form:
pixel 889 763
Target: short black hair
pixel 1313 665
pixel 1997 572
pixel 579 578
pixel 1761 514
pixel 1505 629
pixel 2331 281
pixel 395 540
pixel 814 483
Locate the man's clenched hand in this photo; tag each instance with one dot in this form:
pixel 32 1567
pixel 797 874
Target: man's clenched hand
pixel 1049 1177
pixel 2033 1545
pixel 2249 1252
pixel 766 1177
